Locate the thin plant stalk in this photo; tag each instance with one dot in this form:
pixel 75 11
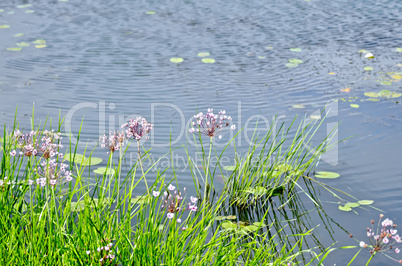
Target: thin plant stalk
pixel 142 169
pixel 207 172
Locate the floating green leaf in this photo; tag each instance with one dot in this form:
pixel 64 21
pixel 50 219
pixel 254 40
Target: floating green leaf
pixel 150 12
pixel 208 60
pixel 354 106
pixel 352 204
pixel 257 191
pixel 82 160
pixel 140 200
pixel 299 106
pixel 24 6
pixel 30 11
pixel 295 49
pixel 4 26
pixel 230 217
pixel 261 224
pixel 261 57
pixel 324 174
pixel 22 44
pixel 102 170
pixel 386 82
pixel 290 65
pixel 39 41
pixel 373 100
pixel 14 49
pixel 176 60
pixel 295 61
pixel 384 94
pixel 269 47
pixel 1 10
pixel 369 56
pixel 77 206
pixel 363 51
pixel 372 94
pixel 250 228
pixel 229 225
pixel 315 117
pixel 40 46
pixel 367 68
pixel 18 34
pixel 203 54
pixel 345 208
pixel 397 76
pixel 365 202
pixel 399 49
pixel 230 168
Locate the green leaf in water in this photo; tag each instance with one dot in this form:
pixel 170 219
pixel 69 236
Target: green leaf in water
pixel 39 41
pixel 295 61
pixel 324 174
pixel 372 94
pixel 399 50
pixel 290 65
pixel 363 51
pixel 315 117
pixel 208 60
pixel 345 208
pixel 295 49
pixel 140 200
pixel 176 60
pixel 18 34
pixel 373 100
pixel 24 6
pixel 251 228
pixel 367 68
pixel 14 49
pixel 22 44
pixel 203 54
pixel 102 170
pixel 369 56
pixel 40 46
pixel 261 57
pixel 30 11
pixel 269 47
pixel 82 160
pixel 230 168
pixel 386 82
pixel 365 202
pixel 354 106
pixel 4 26
pixel 1 10
pixel 298 106
pixel 261 224
pixel 150 12
pixel 389 94
pixel 352 204
pixel 229 225
pixel 230 217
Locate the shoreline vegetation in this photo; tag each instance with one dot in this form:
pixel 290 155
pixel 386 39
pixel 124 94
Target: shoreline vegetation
pixel 59 209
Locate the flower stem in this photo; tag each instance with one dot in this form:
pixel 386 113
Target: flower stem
pixel 372 256
pixel 142 169
pixel 207 172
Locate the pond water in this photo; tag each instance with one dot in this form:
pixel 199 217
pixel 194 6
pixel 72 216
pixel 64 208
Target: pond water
pixel 109 60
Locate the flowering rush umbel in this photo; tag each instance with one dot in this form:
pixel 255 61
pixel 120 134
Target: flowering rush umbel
pixel 137 128
pixel 211 124
pixel 113 142
pixel 383 239
pixel 52 173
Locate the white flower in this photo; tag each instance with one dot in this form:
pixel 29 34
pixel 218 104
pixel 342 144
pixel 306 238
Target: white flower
pixel 362 244
pixel 155 193
pixel 170 215
pixel 171 187
pixel 193 199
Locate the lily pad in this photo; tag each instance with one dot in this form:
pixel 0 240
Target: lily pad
pixel 324 174
pixel 82 160
pixel 269 47
pixel 4 26
pixel 203 54
pixel 315 117
pixel 251 228
pixel 18 34
pixel 354 106
pixel 397 76
pixel 372 94
pixel 40 46
pixel 150 12
pixel 208 60
pixel 230 168
pixel 176 60
pixel 139 200
pixel 399 50
pixel 295 61
pixel 367 68
pixel 14 49
pixel 345 208
pixel 389 94
pixel 30 11
pixel 290 65
pixel 23 44
pixel 369 56
pixel 363 51
pixel 373 100
pixel 230 217
pixel 295 49
pixel 299 106
pixel 365 202
pixel 261 224
pixel 386 82
pixel 1 10
pixel 229 225
pixel 24 6
pixel 39 41
pixel 352 204
pixel 102 170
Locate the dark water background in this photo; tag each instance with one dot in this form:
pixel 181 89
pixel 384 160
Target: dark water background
pixel 109 60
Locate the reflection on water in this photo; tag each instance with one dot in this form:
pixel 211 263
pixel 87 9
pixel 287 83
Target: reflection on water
pixel 109 60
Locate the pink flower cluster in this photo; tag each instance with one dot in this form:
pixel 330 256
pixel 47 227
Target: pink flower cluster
pixel 102 254
pixel 137 128
pixel 211 124
pixel 37 143
pixel 113 142
pixel 172 202
pixel 384 238
pixel 52 172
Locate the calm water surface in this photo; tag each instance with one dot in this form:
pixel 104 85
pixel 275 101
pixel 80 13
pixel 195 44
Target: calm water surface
pixel 109 60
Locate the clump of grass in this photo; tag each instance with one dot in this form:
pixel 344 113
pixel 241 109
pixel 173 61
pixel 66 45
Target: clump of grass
pixel 105 219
